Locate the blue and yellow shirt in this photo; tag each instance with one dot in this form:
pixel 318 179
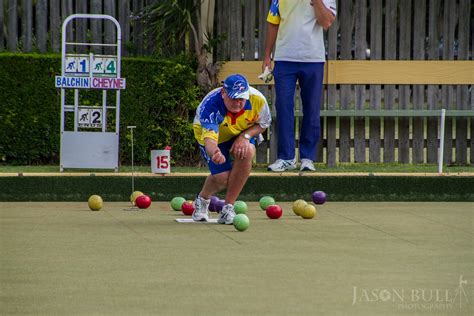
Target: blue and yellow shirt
pixel 213 121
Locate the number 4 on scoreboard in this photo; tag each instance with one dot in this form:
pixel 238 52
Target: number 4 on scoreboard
pixel 103 66
pixel 110 66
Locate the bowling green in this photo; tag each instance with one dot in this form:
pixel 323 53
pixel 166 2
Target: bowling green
pixel 354 258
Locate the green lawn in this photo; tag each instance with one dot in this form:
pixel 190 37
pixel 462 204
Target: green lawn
pixel 353 259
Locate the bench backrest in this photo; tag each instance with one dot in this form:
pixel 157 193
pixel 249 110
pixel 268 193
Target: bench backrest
pixel 373 71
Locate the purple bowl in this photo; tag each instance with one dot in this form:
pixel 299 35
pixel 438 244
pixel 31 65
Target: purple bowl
pixel 212 204
pixel 219 205
pixel 319 197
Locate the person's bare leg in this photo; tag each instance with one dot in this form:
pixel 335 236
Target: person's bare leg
pixel 214 183
pixel 238 176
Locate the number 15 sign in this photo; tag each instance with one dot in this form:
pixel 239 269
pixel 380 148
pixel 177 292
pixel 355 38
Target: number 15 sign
pixel 160 161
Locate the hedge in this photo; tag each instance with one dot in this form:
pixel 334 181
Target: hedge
pixel 160 100
pixel 284 188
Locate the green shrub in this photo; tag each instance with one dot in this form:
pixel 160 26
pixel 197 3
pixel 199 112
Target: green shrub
pixel 160 100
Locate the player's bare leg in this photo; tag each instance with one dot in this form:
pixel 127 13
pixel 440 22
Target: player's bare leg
pixel 238 176
pixel 214 183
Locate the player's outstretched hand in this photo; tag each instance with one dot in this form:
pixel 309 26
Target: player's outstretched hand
pixel 218 158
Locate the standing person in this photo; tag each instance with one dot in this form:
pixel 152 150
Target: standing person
pixel 297 28
pixel 227 122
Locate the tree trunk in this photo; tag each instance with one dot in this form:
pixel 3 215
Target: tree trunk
pixel 206 75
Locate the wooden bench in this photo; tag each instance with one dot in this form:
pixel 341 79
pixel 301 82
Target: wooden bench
pixel 352 118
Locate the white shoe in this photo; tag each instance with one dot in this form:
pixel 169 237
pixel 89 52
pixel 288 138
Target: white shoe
pixel 226 216
pixel 307 165
pixel 201 210
pixel 282 165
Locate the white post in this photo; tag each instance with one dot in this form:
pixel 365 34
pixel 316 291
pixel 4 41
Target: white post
pixel 441 142
pixel 133 180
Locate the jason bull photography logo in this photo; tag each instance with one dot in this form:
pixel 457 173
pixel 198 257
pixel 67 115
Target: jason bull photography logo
pixel 414 298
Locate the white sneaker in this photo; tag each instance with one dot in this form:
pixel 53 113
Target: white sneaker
pixel 201 210
pixel 282 165
pixel 307 165
pixel 226 216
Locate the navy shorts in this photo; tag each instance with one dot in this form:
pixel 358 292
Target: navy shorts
pixel 225 149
